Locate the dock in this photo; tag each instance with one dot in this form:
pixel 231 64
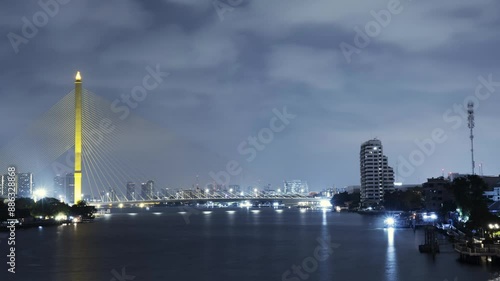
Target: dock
pixel 477 252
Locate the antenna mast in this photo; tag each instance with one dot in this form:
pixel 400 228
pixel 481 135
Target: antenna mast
pixel 470 111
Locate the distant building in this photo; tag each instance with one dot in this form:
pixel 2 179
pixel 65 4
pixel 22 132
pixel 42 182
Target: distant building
pixel 491 181
pixel 131 191
pixel 295 186
pixel 69 188
pixel 377 177
pixel 353 188
pixel 25 185
pixel 147 190
pixel 436 192
pixel 404 187
pixel 337 190
pixel 453 176
pixel 216 187
pixel 493 195
pixel 59 187
pixel 235 188
pixel 186 194
pixel 3 186
pixel 87 198
pixel 113 197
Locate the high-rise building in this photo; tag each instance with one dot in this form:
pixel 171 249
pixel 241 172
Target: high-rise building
pixel 25 185
pixel 59 187
pixel 436 193
pixel 147 190
pixel 377 177
pixel 69 188
pixel 130 191
pixel 113 197
pixel 3 186
pixel 295 186
pixel 235 188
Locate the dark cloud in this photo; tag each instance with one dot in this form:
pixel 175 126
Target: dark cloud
pixel 228 74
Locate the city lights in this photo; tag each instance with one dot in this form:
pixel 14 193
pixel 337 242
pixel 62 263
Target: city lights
pixel 39 194
pixel 325 203
pixel 390 222
pixel 494 226
pixel 61 217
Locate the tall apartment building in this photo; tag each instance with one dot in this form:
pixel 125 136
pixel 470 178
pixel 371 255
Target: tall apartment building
pixel 69 189
pixel 25 185
pixel 131 191
pixel 295 186
pixel 436 193
pixel 377 177
pixel 147 190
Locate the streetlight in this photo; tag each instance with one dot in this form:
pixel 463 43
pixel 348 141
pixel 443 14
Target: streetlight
pixel 39 193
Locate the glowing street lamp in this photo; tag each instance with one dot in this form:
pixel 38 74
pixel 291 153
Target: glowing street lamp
pixel 494 226
pixel 39 193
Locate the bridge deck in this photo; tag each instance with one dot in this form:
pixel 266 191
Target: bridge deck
pixel 294 199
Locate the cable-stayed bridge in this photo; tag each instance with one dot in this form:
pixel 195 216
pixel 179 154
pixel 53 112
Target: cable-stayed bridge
pixel 117 148
pixel 188 196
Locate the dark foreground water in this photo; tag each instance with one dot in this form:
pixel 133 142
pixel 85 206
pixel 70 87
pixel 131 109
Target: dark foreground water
pixel 161 244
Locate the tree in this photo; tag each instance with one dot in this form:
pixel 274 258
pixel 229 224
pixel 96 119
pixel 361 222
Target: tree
pixel 82 209
pixel 49 207
pixel 350 199
pixel 25 203
pixel 407 200
pixel 469 196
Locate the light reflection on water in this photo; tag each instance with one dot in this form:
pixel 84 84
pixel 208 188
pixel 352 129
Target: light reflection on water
pixel 391 264
pixel 242 246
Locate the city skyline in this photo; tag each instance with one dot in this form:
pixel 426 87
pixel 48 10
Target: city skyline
pixel 336 107
pixel 249 140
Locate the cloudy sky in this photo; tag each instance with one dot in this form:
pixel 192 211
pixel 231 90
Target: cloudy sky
pixel 232 64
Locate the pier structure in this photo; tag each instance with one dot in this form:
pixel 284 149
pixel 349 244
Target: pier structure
pixel 475 253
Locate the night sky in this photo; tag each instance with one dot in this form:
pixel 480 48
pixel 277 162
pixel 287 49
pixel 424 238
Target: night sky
pixel 230 68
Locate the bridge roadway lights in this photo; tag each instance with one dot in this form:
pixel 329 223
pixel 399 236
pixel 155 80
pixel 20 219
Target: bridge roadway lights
pixel 150 203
